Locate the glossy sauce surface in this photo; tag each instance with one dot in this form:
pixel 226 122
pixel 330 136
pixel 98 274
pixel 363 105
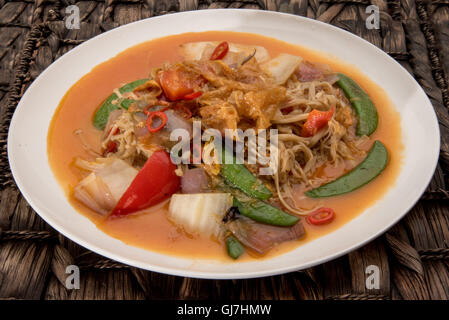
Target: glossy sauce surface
pixel 151 229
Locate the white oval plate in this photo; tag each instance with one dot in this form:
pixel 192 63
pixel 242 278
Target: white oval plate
pixel 27 140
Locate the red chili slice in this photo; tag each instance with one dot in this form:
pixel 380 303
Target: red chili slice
pixel 152 116
pixel 220 51
pixel 111 147
pixel 321 216
pixel 193 95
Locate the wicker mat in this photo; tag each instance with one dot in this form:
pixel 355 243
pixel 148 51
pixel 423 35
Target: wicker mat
pixel 413 256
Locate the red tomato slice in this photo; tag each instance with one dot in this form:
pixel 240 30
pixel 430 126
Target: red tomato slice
pixel 316 121
pixel 175 84
pixel 155 182
pixel 178 84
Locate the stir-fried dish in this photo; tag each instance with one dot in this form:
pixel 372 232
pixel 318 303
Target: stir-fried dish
pixel 318 119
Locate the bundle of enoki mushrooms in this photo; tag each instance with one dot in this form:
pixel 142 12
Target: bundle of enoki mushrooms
pixel 299 156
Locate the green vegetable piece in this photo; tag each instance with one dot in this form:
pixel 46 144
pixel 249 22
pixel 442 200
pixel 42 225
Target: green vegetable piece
pixel 234 247
pixel 362 104
pixel 263 212
pixel 238 176
pixel 367 170
pixel 102 114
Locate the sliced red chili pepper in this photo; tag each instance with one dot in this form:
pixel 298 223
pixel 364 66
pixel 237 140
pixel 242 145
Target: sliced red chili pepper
pixel 154 115
pixel 110 147
pixel 193 95
pixel 321 216
pixel 220 51
pixel 316 120
pixel 183 110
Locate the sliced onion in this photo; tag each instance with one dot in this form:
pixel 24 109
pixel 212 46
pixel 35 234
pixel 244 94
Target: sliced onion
pixel 140 128
pixel 175 121
pixel 88 165
pixel 93 192
pixel 194 181
pixel 308 72
pixel 281 67
pixel 102 189
pixel 331 78
pixel 117 176
pixel 262 237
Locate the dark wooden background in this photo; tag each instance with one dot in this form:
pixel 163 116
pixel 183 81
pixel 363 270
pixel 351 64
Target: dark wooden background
pixel 413 256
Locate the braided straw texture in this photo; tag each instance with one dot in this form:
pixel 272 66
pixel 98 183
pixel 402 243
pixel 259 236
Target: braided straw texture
pixel 413 257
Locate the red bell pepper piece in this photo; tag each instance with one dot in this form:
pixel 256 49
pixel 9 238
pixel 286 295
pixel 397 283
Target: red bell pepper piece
pixel 155 182
pixel 316 121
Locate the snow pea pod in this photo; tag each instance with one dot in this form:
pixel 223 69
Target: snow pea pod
pixel 262 212
pixel 102 114
pixel 367 170
pixel 362 104
pixel 238 176
pixel 234 247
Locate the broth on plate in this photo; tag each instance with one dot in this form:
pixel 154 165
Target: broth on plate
pixel 72 133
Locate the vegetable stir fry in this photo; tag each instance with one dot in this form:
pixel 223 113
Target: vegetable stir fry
pixel 313 116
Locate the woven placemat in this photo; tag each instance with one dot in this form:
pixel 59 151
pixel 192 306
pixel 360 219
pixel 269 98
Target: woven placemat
pixel 412 257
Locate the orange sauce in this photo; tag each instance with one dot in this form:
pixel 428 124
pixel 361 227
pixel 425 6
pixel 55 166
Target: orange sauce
pixel 151 229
